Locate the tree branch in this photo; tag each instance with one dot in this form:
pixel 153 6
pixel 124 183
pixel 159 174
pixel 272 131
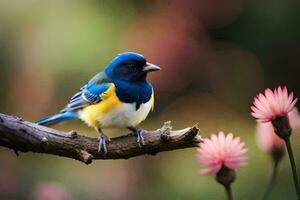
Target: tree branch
pixel 25 136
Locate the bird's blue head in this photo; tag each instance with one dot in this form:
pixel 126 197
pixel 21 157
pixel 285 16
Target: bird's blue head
pixel 130 66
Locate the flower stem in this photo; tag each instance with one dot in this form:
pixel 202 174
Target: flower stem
pixel 229 192
pixel 293 165
pixel 271 181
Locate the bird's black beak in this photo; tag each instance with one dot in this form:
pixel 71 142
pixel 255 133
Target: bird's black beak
pixel 150 68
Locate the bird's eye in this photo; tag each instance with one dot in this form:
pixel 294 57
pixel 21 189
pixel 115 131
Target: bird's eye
pixel 130 65
pixel 133 66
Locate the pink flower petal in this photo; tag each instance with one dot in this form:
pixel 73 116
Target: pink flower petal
pixel 271 104
pixel 221 150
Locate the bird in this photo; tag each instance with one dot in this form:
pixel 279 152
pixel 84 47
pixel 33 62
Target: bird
pixel 118 97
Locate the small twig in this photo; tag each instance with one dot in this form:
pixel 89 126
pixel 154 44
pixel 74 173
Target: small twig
pixel 23 136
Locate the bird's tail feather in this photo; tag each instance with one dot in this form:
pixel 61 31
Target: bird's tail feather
pixel 47 121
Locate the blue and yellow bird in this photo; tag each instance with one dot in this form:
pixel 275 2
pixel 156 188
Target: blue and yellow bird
pixel 118 97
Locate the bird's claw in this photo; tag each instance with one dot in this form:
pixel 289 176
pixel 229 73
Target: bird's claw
pixel 103 140
pixel 138 133
pixel 140 138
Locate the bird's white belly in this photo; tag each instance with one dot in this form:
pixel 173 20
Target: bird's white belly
pixel 125 115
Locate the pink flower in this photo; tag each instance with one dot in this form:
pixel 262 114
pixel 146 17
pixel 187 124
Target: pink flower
pixel 267 139
pixel 272 104
pixel 294 118
pixel 221 150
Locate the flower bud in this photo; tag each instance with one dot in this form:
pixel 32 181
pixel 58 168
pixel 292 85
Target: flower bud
pixel 226 176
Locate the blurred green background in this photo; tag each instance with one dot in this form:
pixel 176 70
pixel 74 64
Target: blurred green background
pixel 215 56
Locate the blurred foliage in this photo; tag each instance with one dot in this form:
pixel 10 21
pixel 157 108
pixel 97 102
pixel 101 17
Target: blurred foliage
pixel 215 56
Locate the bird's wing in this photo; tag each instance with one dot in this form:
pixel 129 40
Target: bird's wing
pixel 88 94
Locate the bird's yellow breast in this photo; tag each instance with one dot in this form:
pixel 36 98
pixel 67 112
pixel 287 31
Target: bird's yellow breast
pixel 92 113
pixel 110 112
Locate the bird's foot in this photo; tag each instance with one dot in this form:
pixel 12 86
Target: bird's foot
pixel 103 140
pixel 140 138
pixel 138 133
